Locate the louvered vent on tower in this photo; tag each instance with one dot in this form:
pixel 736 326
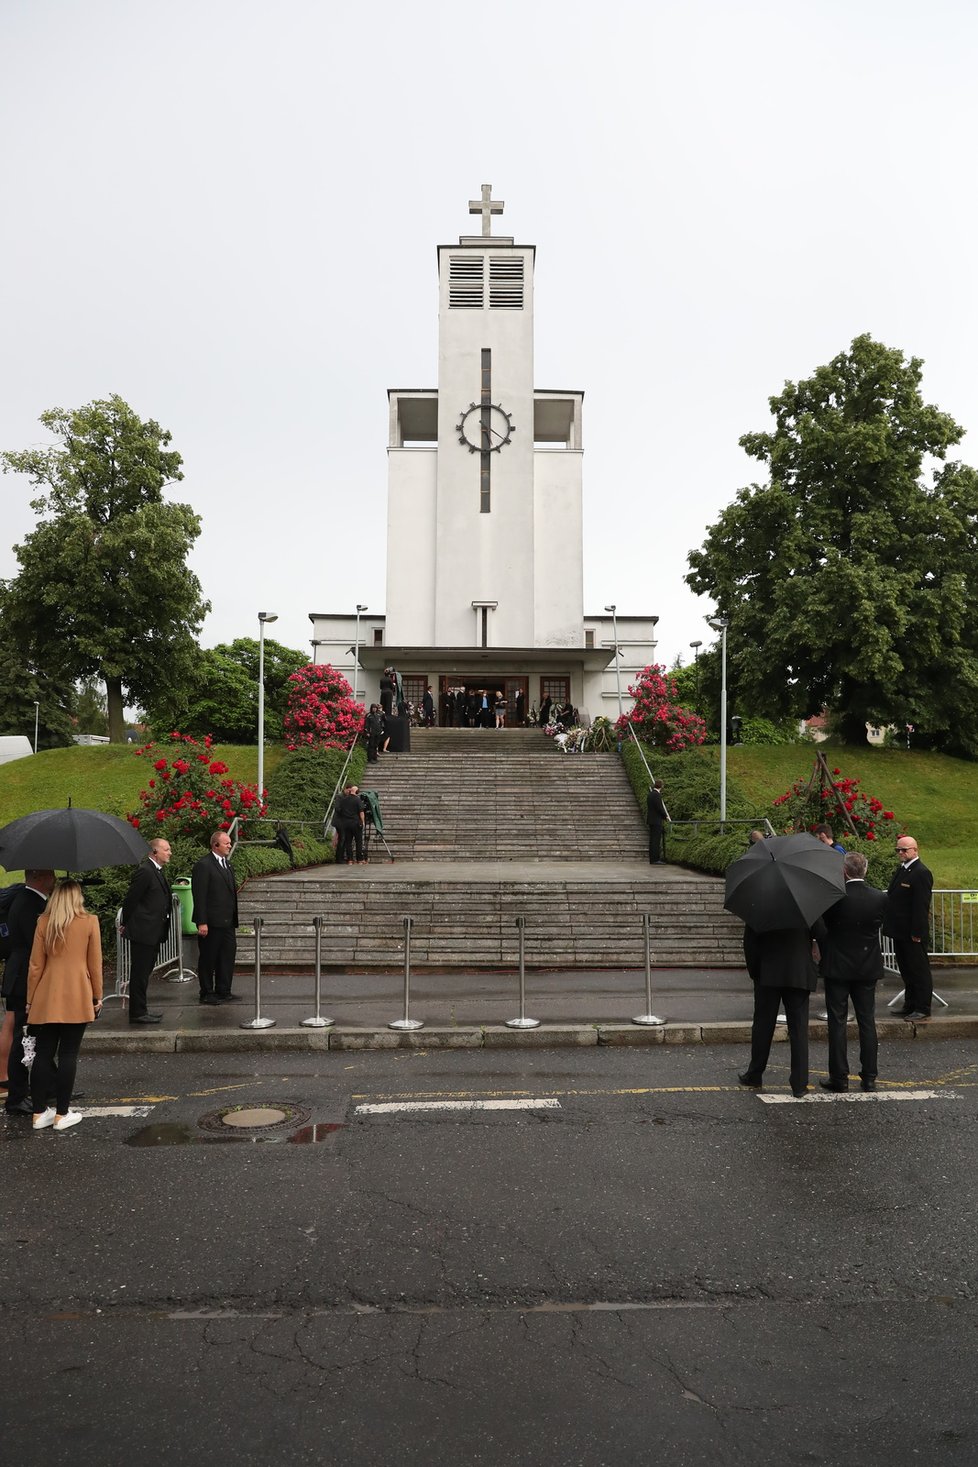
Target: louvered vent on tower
pixel 506 283
pixel 465 289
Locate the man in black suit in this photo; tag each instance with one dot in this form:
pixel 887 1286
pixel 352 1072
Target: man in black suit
pixel 146 909
pixel 784 972
pixel 26 907
pixel 907 921
pixel 851 967
pixel 216 917
pixel 656 815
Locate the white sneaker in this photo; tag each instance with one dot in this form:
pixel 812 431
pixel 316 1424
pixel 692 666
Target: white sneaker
pixel 44 1118
pixel 61 1123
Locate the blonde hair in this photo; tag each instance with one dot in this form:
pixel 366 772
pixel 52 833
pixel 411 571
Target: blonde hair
pixel 67 902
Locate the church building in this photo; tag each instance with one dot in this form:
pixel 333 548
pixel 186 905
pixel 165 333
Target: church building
pixel 485 551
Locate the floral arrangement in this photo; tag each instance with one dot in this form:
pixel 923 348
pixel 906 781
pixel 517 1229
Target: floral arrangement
pixel 657 718
pixel 321 709
pixel 805 805
pixel 189 792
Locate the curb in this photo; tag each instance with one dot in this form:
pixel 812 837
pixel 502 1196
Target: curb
pixel 485 1036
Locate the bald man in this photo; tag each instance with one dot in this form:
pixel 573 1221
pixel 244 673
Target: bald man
pixel 907 921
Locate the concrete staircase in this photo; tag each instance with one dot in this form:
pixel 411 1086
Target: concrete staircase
pixel 520 830
pixel 504 794
pixel 472 923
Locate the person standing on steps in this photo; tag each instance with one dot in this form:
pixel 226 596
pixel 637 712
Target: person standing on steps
pixel 215 914
pixel 656 816
pixel 907 921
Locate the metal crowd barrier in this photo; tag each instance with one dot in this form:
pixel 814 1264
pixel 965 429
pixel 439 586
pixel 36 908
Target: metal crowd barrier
pixel 171 952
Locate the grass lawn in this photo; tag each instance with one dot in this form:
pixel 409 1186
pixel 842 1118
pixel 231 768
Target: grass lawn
pixel 934 798
pixel 101 777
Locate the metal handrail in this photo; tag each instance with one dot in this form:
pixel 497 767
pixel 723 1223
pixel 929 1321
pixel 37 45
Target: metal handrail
pixel 757 822
pixel 641 752
pixel 339 784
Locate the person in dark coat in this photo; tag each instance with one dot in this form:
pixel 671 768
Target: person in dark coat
pixel 656 815
pixel 22 917
pixel 348 819
pixel 427 707
pixel 907 921
pixel 519 708
pixel 146 909
pixel 783 971
pixel 216 917
pixel 851 966
pixel 545 707
pixel 373 727
pixel 387 690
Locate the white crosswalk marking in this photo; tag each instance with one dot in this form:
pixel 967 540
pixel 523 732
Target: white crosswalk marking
pixel 115 1110
pixel 831 1097
pixel 391 1107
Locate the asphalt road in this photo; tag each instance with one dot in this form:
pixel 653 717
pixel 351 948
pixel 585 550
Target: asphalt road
pixel 653 1267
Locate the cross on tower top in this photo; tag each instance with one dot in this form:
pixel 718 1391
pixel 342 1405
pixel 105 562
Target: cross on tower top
pixel 486 206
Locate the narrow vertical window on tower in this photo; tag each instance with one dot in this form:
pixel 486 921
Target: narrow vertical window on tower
pixel 485 457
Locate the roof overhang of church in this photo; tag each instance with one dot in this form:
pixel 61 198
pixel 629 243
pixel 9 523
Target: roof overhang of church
pixel 470 659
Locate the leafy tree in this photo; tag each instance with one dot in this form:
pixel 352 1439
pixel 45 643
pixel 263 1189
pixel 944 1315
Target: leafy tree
pixel 851 581
pixel 21 684
pixel 103 588
pixel 220 694
pixel 90 712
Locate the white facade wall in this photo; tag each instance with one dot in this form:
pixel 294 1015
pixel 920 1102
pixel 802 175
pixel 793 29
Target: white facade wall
pixel 485 556
pixel 411 544
pixel 558 541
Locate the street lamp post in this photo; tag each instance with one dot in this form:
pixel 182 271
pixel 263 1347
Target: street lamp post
pixel 37 717
pixel 614 622
pixel 696 665
pixel 720 624
pixel 264 617
pixel 356 650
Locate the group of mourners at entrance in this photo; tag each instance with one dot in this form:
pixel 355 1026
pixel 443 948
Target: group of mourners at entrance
pixel 843 948
pixel 465 707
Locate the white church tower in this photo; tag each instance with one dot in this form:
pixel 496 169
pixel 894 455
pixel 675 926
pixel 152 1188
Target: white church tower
pixel 484 520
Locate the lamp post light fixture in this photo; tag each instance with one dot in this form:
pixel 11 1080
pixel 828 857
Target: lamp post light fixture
pixel 356 651
pixel 37 717
pixel 696 664
pixel 614 622
pixel 264 617
pixel 720 624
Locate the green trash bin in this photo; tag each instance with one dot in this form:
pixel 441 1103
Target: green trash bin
pixel 183 894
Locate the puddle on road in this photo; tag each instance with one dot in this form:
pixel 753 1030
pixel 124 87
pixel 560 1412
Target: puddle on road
pixel 311 1135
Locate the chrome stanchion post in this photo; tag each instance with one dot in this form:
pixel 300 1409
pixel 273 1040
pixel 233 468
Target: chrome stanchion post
pixel 407 1022
pixel 317 1021
pixel 181 974
pixel 522 1022
pixel 648 1018
pixel 258 1022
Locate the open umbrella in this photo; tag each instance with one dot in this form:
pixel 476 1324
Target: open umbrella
pixel 69 840
pixel 787 881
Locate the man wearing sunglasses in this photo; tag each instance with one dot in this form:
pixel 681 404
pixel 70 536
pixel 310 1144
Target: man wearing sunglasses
pixel 907 921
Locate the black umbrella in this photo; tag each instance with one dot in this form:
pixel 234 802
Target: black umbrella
pixel 787 881
pixel 69 840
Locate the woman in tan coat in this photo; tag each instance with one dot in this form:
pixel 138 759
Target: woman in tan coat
pixel 64 993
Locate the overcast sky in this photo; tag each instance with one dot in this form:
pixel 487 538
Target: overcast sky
pixel 227 212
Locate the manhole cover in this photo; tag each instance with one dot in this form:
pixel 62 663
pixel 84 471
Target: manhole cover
pixel 250 1117
pixel 257 1117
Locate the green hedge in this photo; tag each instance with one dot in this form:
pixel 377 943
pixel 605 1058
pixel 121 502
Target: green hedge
pixel 301 785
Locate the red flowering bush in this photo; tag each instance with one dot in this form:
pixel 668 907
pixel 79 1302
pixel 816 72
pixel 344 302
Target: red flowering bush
pixel 658 720
pixel 190 792
pixel 321 709
pixel 805 805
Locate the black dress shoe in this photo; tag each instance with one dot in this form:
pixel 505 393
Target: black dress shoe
pixel 19 1108
pixel 146 1019
pixel 228 998
pixel 901 1013
pixel 867 1084
pixel 835 1085
pixel 918 1014
pixel 210 998
pixel 750 1081
pixel 800 1094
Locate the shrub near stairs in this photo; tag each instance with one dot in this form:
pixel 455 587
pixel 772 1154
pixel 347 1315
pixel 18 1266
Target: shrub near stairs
pixel 691 792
